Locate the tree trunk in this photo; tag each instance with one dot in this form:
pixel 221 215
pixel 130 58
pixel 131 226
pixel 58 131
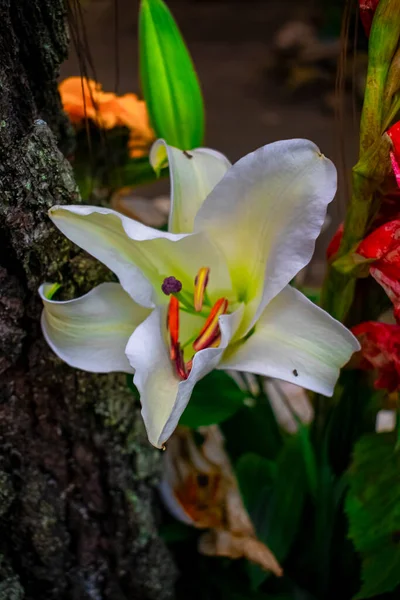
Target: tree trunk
pixel 77 474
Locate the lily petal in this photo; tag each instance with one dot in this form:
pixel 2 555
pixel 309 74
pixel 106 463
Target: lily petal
pixel 140 256
pixel 163 395
pixel 266 214
pixel 193 176
pixel 294 340
pixel 91 332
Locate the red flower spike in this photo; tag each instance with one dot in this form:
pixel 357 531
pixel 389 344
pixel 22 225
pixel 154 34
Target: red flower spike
pixel 394 134
pixel 380 349
pixel 378 243
pixel 388 276
pixel 335 242
pixel 383 245
pixel 395 167
pixel 367 11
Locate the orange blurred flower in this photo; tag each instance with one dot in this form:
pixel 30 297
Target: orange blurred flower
pixel 85 98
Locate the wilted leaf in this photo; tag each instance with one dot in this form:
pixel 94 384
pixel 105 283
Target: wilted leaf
pixel 169 81
pixel 373 509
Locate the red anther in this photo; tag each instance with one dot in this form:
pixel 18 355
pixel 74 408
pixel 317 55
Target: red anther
pixel 173 324
pixel 180 363
pixel 189 365
pixel 210 329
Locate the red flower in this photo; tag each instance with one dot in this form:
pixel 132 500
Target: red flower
pixel 335 242
pixel 383 245
pixel 380 349
pixel 394 134
pixel 367 11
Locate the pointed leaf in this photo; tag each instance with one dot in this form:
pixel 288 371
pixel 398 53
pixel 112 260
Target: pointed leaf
pixel 169 82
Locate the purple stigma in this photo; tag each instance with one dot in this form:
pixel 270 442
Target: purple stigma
pixel 171 285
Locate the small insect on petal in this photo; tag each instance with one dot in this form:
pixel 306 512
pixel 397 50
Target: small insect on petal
pixel 210 330
pixel 200 284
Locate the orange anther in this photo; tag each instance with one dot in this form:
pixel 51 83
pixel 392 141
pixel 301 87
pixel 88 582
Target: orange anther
pixel 173 325
pixel 210 330
pixel 200 284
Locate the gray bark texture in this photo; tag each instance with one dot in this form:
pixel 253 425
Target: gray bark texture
pixel 77 475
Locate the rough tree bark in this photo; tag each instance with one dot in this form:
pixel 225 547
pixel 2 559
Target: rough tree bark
pixel 77 475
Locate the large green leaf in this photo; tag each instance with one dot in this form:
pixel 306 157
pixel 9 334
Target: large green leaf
pixel 215 398
pixel 169 81
pixel 253 428
pixel 373 509
pixel 255 476
pixel 274 495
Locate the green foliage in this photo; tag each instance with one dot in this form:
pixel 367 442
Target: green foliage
pixel 175 532
pixel 352 415
pixel 373 509
pixel 169 81
pixel 101 162
pixel 215 398
pixel 253 428
pixel 274 495
pixel 255 476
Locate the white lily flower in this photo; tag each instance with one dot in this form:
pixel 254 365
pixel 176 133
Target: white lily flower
pixel 238 235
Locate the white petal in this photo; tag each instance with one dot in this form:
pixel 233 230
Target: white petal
pixel 296 341
pixel 163 395
pixel 193 176
pixel 266 214
pixel 91 332
pixel 141 256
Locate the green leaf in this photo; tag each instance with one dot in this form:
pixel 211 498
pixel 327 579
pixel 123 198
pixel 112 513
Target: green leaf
pixel 274 501
pixel 52 290
pixel 255 475
pixel 253 428
pixel 170 85
pixel 215 398
pixel 135 171
pixel 175 532
pixel 353 414
pixel 312 293
pixel 373 509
